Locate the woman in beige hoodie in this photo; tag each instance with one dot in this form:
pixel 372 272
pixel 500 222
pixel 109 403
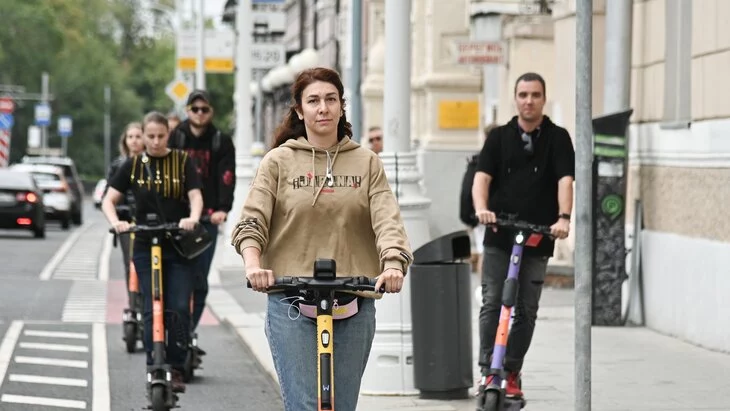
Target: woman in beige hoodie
pixel 318 194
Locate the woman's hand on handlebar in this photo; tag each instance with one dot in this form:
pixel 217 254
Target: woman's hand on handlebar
pixel 260 278
pixel 121 226
pixel 188 223
pixel 392 279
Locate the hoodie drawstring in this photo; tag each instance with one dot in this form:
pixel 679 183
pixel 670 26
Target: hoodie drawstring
pixel 329 178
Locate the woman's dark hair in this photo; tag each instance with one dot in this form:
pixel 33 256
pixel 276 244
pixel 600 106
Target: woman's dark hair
pixel 291 127
pixel 155 117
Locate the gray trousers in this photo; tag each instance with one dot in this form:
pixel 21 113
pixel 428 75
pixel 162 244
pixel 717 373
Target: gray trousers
pixel 531 279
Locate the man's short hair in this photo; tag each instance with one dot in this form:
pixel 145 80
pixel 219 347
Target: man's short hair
pixel 373 128
pixel 531 77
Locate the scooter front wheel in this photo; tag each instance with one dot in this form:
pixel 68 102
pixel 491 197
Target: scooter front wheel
pixel 189 368
pixel 491 401
pixel 130 337
pixel 158 398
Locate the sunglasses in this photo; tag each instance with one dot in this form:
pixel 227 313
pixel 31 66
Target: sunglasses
pixel 527 139
pixel 202 109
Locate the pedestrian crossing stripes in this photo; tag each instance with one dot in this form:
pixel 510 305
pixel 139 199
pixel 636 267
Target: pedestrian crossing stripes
pixel 86 302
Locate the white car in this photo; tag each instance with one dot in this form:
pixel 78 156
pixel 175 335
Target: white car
pixel 99 192
pixel 57 197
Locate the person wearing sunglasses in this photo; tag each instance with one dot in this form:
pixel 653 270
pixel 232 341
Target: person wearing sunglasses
pixel 526 167
pixel 215 162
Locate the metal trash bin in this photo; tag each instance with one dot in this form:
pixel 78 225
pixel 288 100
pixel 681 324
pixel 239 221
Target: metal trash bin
pixel 441 318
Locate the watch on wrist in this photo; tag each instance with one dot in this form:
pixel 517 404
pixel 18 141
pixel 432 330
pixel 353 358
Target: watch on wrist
pixel 564 216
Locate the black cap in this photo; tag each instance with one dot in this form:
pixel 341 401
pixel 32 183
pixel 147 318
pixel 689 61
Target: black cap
pixel 198 95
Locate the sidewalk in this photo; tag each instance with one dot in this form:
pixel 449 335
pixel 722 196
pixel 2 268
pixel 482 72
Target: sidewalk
pixel 632 368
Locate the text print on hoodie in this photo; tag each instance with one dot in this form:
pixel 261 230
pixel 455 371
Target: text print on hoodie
pixel 307 203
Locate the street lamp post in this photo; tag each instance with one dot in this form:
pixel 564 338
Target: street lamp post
pixel 390 368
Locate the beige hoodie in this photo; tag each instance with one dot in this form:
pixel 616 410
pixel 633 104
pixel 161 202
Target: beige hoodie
pixel 307 203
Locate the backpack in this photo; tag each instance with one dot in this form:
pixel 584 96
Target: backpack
pixel 467 214
pixel 180 140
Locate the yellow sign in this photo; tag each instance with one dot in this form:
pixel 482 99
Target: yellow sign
pixel 180 90
pixel 459 114
pixel 211 65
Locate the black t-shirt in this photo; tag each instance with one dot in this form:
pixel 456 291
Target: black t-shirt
pixel 526 183
pixel 173 176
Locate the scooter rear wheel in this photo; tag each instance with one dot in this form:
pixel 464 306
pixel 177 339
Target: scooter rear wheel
pixel 158 398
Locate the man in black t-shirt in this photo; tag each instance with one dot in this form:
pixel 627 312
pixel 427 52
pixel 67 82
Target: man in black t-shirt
pixel 526 168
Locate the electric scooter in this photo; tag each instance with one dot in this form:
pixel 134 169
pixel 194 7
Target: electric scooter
pixel 159 375
pixel 320 290
pixel 491 391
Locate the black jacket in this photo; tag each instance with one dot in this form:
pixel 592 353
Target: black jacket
pixel 216 166
pixel 524 183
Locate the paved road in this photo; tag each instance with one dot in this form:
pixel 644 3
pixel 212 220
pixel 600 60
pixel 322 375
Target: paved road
pixel 60 333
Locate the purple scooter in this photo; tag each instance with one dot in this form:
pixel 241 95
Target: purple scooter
pixel 491 396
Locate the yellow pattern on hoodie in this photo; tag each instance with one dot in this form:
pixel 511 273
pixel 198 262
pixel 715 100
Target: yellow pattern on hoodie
pixel 307 203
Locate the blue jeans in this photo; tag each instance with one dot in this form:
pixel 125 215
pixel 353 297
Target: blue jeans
pixel 176 285
pixel 202 268
pixel 294 350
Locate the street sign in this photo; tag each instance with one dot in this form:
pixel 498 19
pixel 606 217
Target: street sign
pixel 269 21
pixel 178 91
pixel 65 126
pixel 34 137
pixel 267 55
pixel 6 121
pixel 479 52
pixel 219 46
pixel 7 105
pixel 42 115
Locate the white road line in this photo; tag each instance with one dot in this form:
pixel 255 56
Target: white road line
pixel 56 334
pixel 86 302
pixel 57 362
pixel 39 379
pixel 7 346
pixel 100 372
pixel 50 402
pixel 51 266
pixel 53 347
pixel 104 259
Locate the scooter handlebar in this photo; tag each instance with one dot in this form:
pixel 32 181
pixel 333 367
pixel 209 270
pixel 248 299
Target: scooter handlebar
pixel 521 225
pixel 359 283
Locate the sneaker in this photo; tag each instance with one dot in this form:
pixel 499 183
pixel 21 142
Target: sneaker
pixel 200 351
pixel 177 382
pixel 513 385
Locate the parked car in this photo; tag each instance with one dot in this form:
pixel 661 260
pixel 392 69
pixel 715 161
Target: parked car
pixel 21 203
pixel 72 178
pixel 57 197
pixel 99 192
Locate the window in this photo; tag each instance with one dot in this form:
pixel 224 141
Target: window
pixel 678 64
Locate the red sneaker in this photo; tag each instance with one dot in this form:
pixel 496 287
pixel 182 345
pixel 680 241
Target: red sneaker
pixel 514 382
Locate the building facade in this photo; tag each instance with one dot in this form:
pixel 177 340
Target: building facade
pixel 679 161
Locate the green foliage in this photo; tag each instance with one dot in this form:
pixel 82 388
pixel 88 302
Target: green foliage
pixel 85 45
